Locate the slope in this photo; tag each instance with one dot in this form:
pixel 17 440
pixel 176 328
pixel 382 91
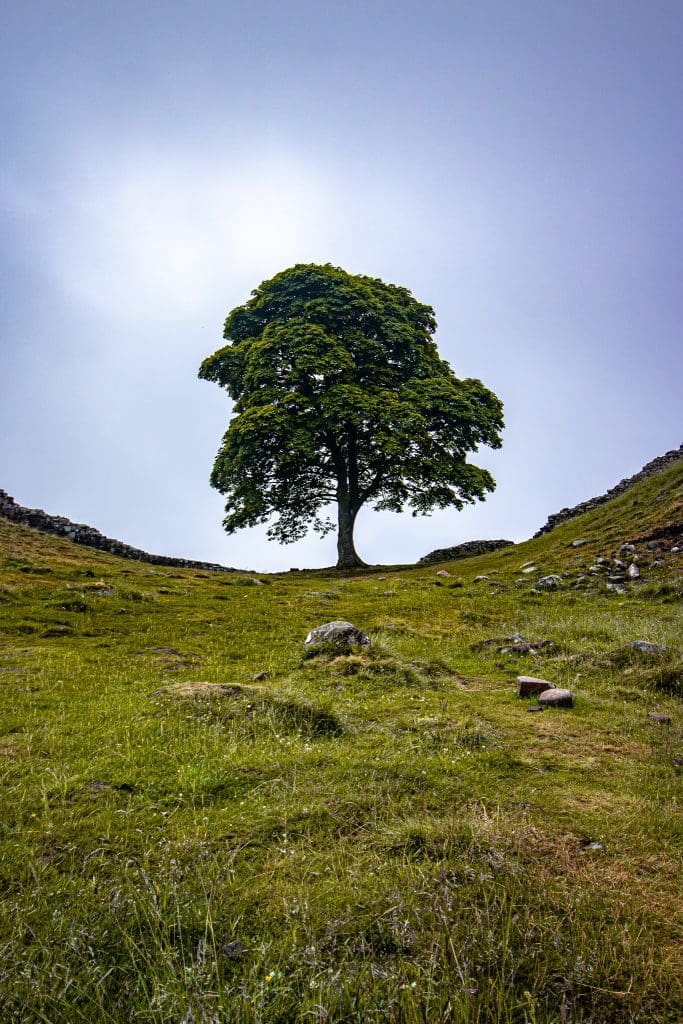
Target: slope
pixel 201 822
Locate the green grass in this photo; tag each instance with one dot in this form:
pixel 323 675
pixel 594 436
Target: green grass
pixel 391 836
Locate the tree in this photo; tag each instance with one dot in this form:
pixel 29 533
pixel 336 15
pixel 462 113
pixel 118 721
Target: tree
pixel 341 396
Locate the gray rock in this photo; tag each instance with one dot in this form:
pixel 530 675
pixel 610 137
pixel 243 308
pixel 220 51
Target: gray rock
pixel 548 582
pixel 617 588
pixel 661 719
pixel 601 561
pixel 578 543
pixel 556 698
pixel 338 634
pixel 618 564
pixel 633 572
pixel 645 647
pixel 530 568
pixel 529 686
pixel 478 579
pixel 675 549
pixel 443 572
pixel 627 547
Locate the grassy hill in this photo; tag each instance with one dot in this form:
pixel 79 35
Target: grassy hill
pixel 388 836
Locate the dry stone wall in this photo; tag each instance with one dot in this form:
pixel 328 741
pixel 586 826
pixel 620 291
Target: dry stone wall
pixel 466 550
pixel 91 538
pixel 652 468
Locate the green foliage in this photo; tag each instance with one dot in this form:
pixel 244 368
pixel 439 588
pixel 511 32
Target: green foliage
pixel 340 395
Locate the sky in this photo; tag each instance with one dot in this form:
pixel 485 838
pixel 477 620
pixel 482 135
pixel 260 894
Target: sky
pixel 517 166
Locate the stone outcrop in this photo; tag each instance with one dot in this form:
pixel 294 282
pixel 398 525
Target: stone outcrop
pixel 651 469
pixel 466 550
pixel 90 537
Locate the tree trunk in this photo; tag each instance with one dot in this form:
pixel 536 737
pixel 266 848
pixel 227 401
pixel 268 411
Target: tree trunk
pixel 348 557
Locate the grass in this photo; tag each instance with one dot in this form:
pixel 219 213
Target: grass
pixel 388 836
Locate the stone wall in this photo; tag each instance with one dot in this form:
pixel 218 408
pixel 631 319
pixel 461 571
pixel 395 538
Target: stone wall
pixel 466 550
pixel 89 537
pixel 651 469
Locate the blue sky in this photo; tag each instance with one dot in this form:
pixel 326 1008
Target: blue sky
pixel 516 165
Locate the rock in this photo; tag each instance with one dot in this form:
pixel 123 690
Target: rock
pixel 675 549
pixel 479 579
pixel 633 572
pixel 556 698
pixel 616 577
pixel 234 949
pixel 199 689
pixel 652 545
pixel 602 561
pixel 590 844
pixel 525 647
pixel 618 588
pixel 337 634
pixel 627 547
pixel 548 582
pixel 259 677
pixel 645 647
pixel 530 686
pixel 578 543
pixel 618 564
pixel 530 568
pixel 656 716
pixel 443 572
pixel 535 707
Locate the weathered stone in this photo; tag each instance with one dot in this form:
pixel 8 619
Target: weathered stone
pixel 443 572
pixel 259 677
pixel 578 543
pixel 343 635
pixel 556 698
pixel 617 588
pixel 466 550
pixel 645 647
pixel 529 569
pixel 479 579
pixel 627 547
pixel 548 582
pixel 633 572
pixel 530 686
pixel 661 719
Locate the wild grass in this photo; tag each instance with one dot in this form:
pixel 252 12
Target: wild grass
pixel 200 823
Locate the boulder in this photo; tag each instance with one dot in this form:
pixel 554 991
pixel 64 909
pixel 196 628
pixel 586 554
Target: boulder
pixel 548 582
pixel 645 647
pixel 633 572
pixel 658 717
pixel 531 686
pixel 556 698
pixel 442 572
pixel 343 635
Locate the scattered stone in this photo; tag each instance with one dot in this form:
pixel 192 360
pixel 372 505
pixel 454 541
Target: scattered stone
pixel 618 564
pixel 529 569
pixel 618 588
pixel 556 698
pixel 677 762
pixel 235 949
pixel 633 571
pixel 601 561
pixel 535 707
pixel 675 549
pixel 590 844
pixel 627 547
pixel 617 577
pixel 653 545
pixel 530 686
pixel 525 647
pixel 259 677
pixel 443 572
pixel 578 543
pixel 645 647
pixel 338 634
pixel 479 579
pixel 548 582
pixel 656 716
pixel 466 550
pixel 657 563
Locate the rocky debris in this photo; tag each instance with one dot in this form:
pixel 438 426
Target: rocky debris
pixel 651 469
pixel 525 647
pixel 528 686
pixel 339 634
pixel 645 647
pixel 443 572
pixel 661 719
pixel 548 582
pixel 90 537
pixel 466 550
pixel 556 698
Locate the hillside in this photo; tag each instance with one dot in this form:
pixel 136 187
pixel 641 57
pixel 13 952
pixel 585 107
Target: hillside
pixel 202 821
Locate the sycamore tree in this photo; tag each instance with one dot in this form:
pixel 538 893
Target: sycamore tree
pixel 340 396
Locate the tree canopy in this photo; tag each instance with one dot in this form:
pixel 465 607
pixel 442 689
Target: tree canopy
pixel 340 395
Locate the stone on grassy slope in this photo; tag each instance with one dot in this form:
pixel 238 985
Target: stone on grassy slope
pixel 556 698
pixel 548 582
pixel 343 635
pixel 645 647
pixel 531 686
